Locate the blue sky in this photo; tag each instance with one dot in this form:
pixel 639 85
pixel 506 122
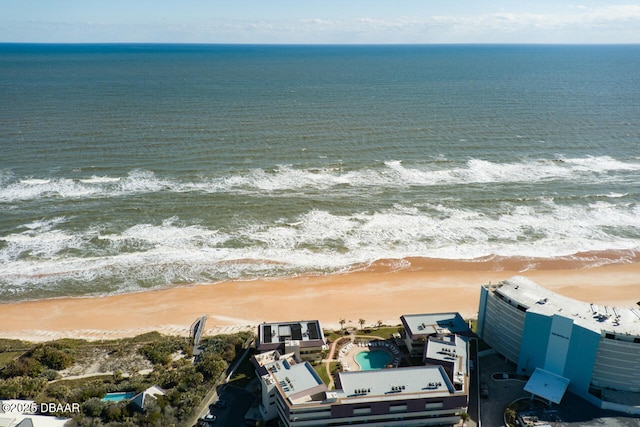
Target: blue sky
pixel 328 21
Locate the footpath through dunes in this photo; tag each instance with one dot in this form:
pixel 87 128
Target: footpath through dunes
pixel 381 292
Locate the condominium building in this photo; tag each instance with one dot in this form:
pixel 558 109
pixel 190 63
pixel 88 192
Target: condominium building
pixel 304 338
pixel 596 349
pixel 416 396
pixel 418 327
pixel 429 395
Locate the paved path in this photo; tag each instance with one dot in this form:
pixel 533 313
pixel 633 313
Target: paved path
pixel 342 341
pixel 330 357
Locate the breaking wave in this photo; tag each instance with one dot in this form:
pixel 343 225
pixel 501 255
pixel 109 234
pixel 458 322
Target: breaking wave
pixel 44 256
pixel 388 174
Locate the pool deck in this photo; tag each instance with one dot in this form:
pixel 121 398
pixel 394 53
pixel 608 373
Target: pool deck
pixel 347 353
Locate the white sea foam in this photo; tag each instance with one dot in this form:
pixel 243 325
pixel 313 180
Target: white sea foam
pixel 35 181
pixel 136 182
pixel 42 245
pixel 175 252
pixel 99 180
pixel 169 235
pixel 390 174
pixel 42 253
pixel 396 174
pixel 601 164
pixel 37 189
pixel 45 224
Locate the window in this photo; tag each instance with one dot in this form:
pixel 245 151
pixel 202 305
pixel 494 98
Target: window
pixel 433 405
pixel 361 411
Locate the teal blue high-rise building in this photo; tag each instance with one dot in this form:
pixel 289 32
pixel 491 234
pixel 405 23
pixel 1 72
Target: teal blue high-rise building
pixel 595 348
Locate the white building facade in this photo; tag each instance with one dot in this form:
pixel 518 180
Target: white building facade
pixel 430 395
pixel 417 396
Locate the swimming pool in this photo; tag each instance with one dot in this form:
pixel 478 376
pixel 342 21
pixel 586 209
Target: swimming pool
pixel 373 359
pixel 117 397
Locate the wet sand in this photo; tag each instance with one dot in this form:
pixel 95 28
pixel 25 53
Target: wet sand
pixel 382 292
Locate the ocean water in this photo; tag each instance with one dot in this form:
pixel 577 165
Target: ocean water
pixel 131 167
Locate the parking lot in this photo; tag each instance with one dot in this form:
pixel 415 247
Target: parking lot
pixel 573 411
pixel 237 403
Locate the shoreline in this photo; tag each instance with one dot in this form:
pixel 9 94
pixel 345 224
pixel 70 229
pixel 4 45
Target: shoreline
pixel 381 292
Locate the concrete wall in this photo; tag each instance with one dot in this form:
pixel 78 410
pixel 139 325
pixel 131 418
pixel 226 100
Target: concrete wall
pixel 569 353
pixel 533 347
pixel 581 358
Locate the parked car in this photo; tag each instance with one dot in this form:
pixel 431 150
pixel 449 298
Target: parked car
pixel 484 390
pixel 220 404
pixel 208 420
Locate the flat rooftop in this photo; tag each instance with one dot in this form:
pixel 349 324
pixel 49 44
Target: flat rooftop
pixel 263 359
pixel 296 382
pixel 452 349
pixel 534 298
pixel 438 323
pixel 387 384
pixel 304 331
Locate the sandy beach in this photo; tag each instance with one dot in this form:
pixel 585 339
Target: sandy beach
pixel 382 292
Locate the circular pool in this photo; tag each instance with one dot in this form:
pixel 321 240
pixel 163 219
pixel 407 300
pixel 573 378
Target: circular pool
pixel 373 359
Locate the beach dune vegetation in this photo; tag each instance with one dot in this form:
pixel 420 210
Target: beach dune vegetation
pixel 30 372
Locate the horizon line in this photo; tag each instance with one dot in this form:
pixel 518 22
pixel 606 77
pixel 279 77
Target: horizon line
pixel 68 43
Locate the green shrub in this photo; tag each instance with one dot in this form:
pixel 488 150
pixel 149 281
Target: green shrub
pixel 93 407
pixel 58 391
pixel 87 391
pixel 53 356
pixel 23 367
pixel 50 374
pixel 211 365
pixel 160 352
pixel 21 387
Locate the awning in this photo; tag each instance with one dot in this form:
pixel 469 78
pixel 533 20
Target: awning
pixel 547 385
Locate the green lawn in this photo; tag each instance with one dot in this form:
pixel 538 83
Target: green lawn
pixel 8 356
pixel 322 372
pixel 333 335
pixel 384 332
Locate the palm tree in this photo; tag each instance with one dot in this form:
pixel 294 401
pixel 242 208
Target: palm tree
pixel 342 322
pixel 511 415
pixel 464 417
pixel 362 322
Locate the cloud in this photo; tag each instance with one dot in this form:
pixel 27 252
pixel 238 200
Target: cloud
pixel 611 24
pixel 569 24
